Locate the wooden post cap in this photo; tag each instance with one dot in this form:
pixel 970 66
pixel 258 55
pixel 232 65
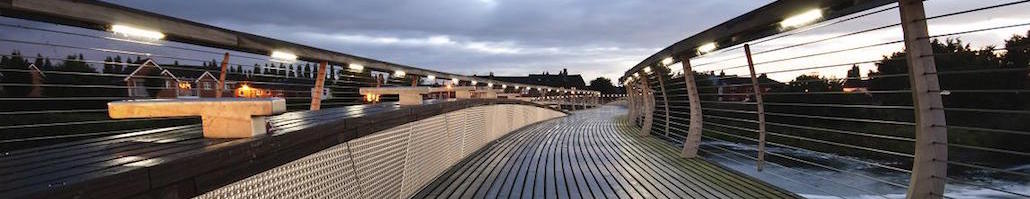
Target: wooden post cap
pixel 222 117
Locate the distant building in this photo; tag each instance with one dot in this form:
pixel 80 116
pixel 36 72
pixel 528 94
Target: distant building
pixel 206 85
pixel 151 77
pixel 856 86
pixel 562 80
pixel 736 88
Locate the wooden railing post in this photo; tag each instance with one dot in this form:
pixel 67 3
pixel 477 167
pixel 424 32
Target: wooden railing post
pixel 221 76
pixel 761 108
pixel 648 106
pixel 665 97
pixel 693 140
pixel 631 101
pixel 316 94
pixel 929 167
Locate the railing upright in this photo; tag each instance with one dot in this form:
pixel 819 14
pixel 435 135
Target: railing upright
pixel 316 94
pixel 761 108
pixel 647 100
pixel 221 76
pixel 691 144
pixel 929 168
pixel 665 98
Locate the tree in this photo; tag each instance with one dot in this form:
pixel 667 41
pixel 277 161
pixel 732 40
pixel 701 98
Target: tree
pixel 21 75
pixel 307 70
pixel 603 85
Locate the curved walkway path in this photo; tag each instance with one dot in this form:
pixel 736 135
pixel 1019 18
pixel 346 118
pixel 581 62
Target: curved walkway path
pixel 592 153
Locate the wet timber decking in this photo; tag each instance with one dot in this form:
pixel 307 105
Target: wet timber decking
pixel 590 154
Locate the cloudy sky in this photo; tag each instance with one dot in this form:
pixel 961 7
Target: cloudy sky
pixel 507 37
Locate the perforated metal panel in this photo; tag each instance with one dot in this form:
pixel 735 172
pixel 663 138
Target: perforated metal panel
pixel 379 161
pixel 394 163
pixel 475 129
pixel 430 153
pixel 326 174
pixel 457 125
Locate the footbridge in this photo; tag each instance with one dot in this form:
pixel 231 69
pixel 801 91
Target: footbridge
pixel 99 100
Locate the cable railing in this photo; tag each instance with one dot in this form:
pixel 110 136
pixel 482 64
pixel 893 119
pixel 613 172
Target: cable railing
pixel 56 78
pixel 822 97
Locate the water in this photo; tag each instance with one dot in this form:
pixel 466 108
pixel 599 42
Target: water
pixel 855 179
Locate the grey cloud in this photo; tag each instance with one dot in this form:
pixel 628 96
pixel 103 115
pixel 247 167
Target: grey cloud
pixel 594 37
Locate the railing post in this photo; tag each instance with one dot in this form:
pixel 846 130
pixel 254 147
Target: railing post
pixel 316 94
pixel 693 140
pixel 221 76
pixel 761 108
pixel 648 106
pixel 665 96
pixel 631 102
pixel 929 167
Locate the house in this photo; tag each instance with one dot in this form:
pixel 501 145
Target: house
pixel 856 86
pixel 206 85
pixel 150 80
pixel 737 88
pixel 560 80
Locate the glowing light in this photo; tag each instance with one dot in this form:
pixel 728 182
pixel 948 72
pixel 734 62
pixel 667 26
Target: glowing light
pixel 399 73
pixel 802 19
pixel 667 61
pixel 455 80
pixel 357 67
pixel 431 77
pixel 709 47
pixel 130 31
pixel 474 82
pixel 283 56
pixel 491 85
pixel 647 69
pixel 504 86
pixel 372 98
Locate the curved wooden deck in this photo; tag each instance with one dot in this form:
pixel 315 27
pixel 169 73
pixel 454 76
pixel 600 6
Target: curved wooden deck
pixel 590 154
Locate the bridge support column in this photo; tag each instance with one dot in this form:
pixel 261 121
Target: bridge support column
pixel 929 167
pixel 647 106
pixel 693 140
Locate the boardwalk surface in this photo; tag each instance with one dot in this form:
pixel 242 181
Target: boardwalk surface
pixel 590 154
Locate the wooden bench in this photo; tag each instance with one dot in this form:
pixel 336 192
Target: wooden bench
pixel 222 118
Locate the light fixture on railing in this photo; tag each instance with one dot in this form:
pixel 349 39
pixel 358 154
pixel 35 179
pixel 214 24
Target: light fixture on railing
pixel 130 31
pixel 399 73
pixel 709 47
pixel 802 19
pixel 279 56
pixel 667 61
pixel 356 67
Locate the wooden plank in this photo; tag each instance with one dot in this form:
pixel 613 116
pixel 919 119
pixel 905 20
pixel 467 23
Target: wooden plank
pixel 592 154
